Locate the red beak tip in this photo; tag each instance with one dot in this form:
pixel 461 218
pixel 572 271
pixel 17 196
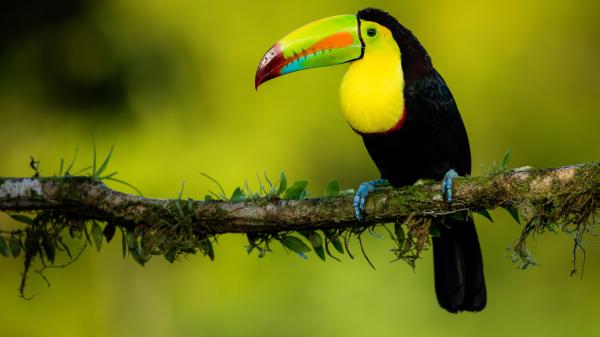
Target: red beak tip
pixel 257 83
pixel 270 66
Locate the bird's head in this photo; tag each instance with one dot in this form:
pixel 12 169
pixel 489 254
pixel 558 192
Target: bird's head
pixel 330 41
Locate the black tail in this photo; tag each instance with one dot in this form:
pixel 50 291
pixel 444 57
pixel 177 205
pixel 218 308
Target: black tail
pixel 458 267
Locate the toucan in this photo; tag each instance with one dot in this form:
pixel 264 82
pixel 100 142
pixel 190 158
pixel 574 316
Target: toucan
pixel 395 99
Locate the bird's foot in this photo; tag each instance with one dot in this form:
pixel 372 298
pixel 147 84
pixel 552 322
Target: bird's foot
pixel 361 196
pixel 447 185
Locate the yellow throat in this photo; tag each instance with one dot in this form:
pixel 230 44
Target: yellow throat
pixel 372 91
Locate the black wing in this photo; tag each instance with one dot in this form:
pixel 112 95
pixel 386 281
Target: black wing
pixel 431 107
pixel 458 266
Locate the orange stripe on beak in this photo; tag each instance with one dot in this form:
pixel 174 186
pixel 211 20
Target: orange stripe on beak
pixel 339 40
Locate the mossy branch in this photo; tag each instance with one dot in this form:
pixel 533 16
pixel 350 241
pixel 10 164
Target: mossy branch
pixel 90 199
pixel 564 198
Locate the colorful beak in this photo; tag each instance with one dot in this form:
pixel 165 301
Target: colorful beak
pixel 329 41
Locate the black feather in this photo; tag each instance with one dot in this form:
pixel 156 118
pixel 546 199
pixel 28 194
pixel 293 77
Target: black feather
pixel 431 141
pixel 458 267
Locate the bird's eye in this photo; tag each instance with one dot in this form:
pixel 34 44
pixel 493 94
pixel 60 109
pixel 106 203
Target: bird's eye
pixel 371 32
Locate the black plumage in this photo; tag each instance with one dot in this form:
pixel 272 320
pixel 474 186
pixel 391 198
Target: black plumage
pixel 431 141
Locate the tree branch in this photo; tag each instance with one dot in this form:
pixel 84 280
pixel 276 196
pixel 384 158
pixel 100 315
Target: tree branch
pixel 566 198
pixel 92 200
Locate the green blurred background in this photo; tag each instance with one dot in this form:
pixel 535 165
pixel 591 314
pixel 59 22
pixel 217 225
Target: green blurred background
pixel 171 83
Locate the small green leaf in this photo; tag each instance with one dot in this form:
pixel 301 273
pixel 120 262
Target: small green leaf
pixel 296 245
pixel 316 241
pixel 484 213
pixel 208 197
pixel 337 244
pixel 180 196
pixel 137 256
pixel 170 255
pixel 320 251
pixel 306 234
pixel 82 170
pixel 297 191
pixel 400 235
pixel 139 253
pixel 282 183
pixel 238 195
pixel 31 246
pixel 271 187
pixel 93 154
pixel 105 163
pixel 189 250
pixel 15 245
pixel 505 160
pixel 332 189
pixel 108 176
pixel 514 213
pixel 124 243
pixel 109 232
pixel 207 248
pixel 68 170
pixel 87 235
pixel 49 249
pixel 222 191
pixel 97 235
pixel 131 242
pixel 22 218
pixel 124 183
pixel 62 165
pixel 335 240
pixel 135 249
pixel 4 250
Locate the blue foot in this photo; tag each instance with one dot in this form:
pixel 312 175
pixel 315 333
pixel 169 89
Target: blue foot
pixel 361 195
pixel 447 185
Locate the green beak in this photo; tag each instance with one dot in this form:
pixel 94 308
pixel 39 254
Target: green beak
pixel 329 41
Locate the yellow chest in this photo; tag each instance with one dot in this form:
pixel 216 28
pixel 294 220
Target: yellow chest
pixel 372 93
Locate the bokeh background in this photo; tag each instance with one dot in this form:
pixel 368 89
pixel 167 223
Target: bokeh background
pixel 171 83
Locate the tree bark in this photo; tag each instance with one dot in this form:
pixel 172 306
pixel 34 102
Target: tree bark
pixel 92 200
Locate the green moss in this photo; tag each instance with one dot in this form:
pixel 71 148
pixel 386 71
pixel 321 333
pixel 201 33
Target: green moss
pixel 174 228
pixel 573 209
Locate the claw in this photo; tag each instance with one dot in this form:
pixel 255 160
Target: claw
pixel 447 185
pixel 361 196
